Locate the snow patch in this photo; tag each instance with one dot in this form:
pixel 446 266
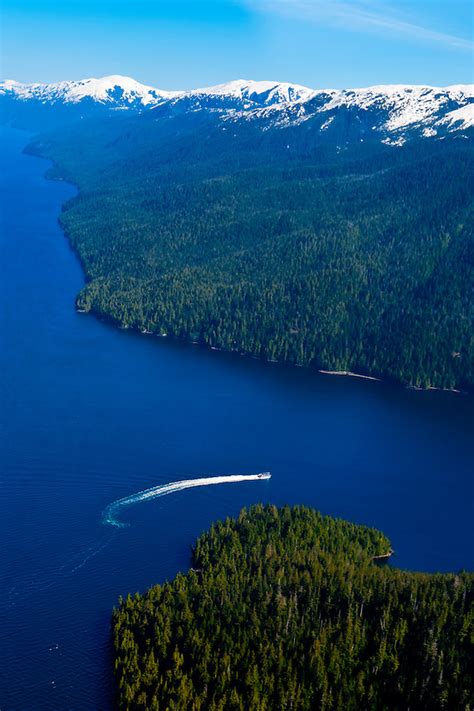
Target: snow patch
pixel 400 141
pixel 327 123
pixel 459 119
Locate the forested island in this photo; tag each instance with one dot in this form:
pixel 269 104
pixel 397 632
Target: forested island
pixel 287 609
pixel 340 255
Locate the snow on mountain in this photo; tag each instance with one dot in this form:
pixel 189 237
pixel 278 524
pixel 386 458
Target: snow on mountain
pixel 263 93
pixel 405 105
pixel 461 118
pixel 115 90
pixel 392 112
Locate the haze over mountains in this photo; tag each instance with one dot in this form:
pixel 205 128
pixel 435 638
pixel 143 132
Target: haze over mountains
pixel 391 113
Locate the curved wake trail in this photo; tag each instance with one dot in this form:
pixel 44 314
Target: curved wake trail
pixel 109 515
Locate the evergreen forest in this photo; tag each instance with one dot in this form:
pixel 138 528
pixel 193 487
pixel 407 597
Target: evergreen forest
pixel 287 609
pixel 354 257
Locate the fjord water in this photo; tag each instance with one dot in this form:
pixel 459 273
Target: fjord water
pixel 91 414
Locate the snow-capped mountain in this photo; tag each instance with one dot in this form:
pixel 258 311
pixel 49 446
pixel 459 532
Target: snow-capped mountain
pixel 391 114
pixel 261 93
pixel 394 110
pixel 405 105
pixel 43 106
pixel 114 91
pixel 120 91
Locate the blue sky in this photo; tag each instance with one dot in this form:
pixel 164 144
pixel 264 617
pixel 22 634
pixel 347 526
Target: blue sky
pixel 189 43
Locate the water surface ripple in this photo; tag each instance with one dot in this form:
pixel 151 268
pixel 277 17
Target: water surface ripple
pixel 90 414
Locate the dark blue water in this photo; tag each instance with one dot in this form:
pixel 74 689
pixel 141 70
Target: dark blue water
pixel 90 414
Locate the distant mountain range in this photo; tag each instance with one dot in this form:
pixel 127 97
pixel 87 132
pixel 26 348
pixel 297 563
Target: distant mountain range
pixel 392 114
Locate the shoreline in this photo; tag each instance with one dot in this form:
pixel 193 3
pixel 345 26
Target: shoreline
pixel 337 373
pixel 56 176
pixel 456 391
pixel 384 556
pixel 349 374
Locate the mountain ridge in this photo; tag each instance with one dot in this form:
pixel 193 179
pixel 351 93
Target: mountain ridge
pixel 232 85
pixel 392 112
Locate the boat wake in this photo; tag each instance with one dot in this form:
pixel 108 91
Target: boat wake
pixel 109 515
pixel 49 577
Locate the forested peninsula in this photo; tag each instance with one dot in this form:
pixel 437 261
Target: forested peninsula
pixel 287 609
pixel 357 259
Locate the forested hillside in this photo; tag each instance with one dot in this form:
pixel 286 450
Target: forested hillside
pixel 286 609
pixel 340 254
